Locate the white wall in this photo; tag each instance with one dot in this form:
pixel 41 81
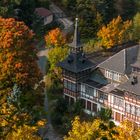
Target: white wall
pixel 48 19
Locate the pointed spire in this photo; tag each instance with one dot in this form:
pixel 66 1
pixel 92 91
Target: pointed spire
pixel 76 39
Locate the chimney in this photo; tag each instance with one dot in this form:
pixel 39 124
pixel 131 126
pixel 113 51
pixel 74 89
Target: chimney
pixel 134 80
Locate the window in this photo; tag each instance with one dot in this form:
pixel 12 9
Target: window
pixel 94 107
pixel 118 102
pixel 82 88
pixel 65 83
pixel 127 108
pixel 94 92
pixel 116 77
pixel 73 87
pixel 83 103
pixel 69 85
pixel 135 69
pixel 88 105
pixel 90 91
pixel 118 117
pixel 103 96
pixel 138 111
pixel 133 110
pixel 108 74
pixel 112 75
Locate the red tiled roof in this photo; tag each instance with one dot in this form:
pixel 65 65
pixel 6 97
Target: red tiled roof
pixel 43 12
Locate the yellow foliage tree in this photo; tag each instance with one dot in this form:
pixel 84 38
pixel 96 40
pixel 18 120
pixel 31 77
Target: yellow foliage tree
pixel 23 133
pixel 128 131
pixel 15 125
pixel 116 32
pixel 56 55
pixel 26 132
pixel 16 118
pixel 89 130
pixel 98 130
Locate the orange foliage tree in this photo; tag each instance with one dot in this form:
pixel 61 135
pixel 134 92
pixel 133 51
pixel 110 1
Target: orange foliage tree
pixel 55 38
pixel 116 32
pixel 19 82
pixel 18 60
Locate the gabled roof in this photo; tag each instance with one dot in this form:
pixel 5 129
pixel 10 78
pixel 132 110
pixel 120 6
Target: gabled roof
pixel 121 62
pixel 115 62
pixel 43 12
pixel 77 63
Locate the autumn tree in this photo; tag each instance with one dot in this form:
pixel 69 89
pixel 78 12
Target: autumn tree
pixel 18 59
pixel 128 130
pixel 58 50
pixel 20 85
pixel 100 130
pixel 114 33
pixel 18 114
pixel 24 132
pixel 55 38
pixel 95 130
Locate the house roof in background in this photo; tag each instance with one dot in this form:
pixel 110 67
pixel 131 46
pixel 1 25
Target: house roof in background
pixel 121 61
pixel 43 12
pixel 128 86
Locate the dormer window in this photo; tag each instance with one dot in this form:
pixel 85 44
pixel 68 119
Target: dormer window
pixel 135 69
pixel 112 75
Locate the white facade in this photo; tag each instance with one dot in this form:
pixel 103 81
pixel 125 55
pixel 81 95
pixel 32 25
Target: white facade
pixel 48 19
pixel 118 104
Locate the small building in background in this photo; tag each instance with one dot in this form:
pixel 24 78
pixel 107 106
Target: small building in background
pixel 46 14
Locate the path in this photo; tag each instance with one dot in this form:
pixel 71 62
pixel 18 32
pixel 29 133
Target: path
pixel 48 132
pixel 68 24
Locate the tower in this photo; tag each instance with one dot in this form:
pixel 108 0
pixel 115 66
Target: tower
pixel 76 68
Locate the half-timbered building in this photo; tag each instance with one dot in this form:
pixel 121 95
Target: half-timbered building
pixel 113 83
